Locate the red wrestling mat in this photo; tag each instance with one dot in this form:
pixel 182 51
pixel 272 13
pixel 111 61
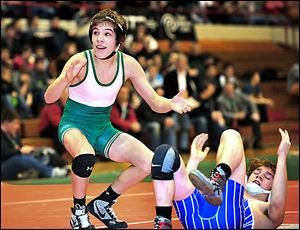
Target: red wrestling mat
pixel 48 206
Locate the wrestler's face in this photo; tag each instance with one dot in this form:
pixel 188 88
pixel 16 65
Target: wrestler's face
pixel 104 39
pixel 263 176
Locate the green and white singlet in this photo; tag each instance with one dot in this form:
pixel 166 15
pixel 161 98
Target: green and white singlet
pixel 89 106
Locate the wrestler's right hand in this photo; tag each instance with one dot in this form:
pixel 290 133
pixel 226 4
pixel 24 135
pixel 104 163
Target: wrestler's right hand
pixel 197 152
pixel 74 69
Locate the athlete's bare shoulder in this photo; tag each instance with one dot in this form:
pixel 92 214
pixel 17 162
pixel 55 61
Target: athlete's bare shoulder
pixel 129 59
pixel 78 56
pixel 132 66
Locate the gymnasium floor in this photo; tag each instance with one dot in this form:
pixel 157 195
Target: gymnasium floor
pixel 48 206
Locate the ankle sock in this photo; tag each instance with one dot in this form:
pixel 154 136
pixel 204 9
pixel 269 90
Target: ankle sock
pixel 80 202
pixel 223 169
pixel 164 211
pixel 108 195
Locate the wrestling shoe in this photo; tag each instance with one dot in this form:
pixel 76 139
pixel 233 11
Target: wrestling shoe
pixel 211 187
pixel 162 223
pixel 102 210
pixel 80 218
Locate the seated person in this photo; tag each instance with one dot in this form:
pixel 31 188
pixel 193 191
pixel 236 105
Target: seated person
pixel 18 160
pixel 157 127
pixel 123 115
pixel 50 117
pixel 252 88
pixel 238 109
pixel 293 80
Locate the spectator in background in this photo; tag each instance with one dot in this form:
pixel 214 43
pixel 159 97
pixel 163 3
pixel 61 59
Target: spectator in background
pixel 251 87
pixel 157 127
pixel 32 28
pixel 17 160
pixel 40 53
pixel 123 115
pixel 196 58
pixel 59 37
pixel 11 40
pixel 228 74
pixel 293 80
pixel 25 91
pixel 69 49
pixel 140 42
pixel 170 64
pixel 177 81
pixel 82 18
pixel 11 98
pixel 25 60
pixel 207 117
pixel 6 60
pixel 50 116
pixel 238 109
pixel 20 29
pixel 40 81
pixel 158 61
pixel 142 61
pixel 154 76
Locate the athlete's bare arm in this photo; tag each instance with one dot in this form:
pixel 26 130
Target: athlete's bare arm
pixel 73 69
pixel 136 74
pixel 197 154
pixel 276 208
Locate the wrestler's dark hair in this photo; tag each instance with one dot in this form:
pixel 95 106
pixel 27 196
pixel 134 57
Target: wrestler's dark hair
pixel 119 22
pixel 255 163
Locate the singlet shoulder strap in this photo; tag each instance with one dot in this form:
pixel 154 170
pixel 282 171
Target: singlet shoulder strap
pixel 86 70
pixel 122 65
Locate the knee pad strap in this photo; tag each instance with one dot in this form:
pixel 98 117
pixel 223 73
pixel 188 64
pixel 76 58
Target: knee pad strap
pixel 165 162
pixel 83 165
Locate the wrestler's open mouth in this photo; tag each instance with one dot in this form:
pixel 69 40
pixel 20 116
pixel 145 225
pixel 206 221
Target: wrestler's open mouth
pixel 256 182
pixel 100 47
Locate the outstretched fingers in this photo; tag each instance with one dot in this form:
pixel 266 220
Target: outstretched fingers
pixel 285 143
pixel 284 135
pixel 201 139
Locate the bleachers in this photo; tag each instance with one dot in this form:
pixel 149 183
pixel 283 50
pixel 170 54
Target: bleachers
pixel 246 55
pixel 258 55
pixel 30 134
pixel 284 114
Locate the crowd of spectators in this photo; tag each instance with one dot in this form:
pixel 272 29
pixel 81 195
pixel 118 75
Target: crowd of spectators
pixel 231 12
pixel 31 59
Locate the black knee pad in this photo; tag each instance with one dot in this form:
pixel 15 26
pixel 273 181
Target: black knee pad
pixel 83 165
pixel 165 162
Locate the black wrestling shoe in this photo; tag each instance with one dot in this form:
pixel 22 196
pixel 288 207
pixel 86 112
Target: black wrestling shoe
pixel 80 218
pixel 211 187
pixel 102 210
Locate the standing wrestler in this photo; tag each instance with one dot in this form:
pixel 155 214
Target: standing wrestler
pixel 224 200
pixel 93 79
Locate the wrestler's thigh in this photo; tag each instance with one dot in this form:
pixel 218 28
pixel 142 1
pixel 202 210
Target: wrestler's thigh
pixel 76 143
pixel 183 185
pixel 129 149
pixel 239 174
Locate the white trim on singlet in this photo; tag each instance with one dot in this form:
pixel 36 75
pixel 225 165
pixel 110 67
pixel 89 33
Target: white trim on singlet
pixel 90 91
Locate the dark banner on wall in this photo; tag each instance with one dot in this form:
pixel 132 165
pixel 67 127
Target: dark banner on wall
pixel 172 26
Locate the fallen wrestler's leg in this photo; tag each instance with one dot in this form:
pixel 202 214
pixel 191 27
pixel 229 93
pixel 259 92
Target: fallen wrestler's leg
pixel 230 162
